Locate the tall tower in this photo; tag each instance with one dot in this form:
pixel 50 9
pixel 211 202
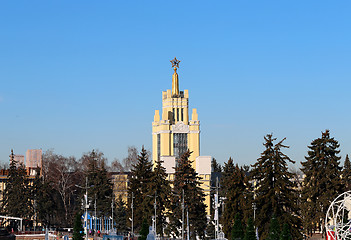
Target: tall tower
pixel 172 132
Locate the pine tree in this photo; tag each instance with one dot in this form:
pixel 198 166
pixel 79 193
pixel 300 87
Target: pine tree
pixel 285 235
pixel 144 231
pixel 215 166
pixel 121 216
pixel 16 196
pixel 187 187
pixel 78 231
pixel 237 230
pixel 250 233
pixel 322 182
pixel 346 174
pixel 274 229
pixel 275 192
pixel 99 183
pixel 140 186
pixel 43 204
pixel 238 199
pixel 161 190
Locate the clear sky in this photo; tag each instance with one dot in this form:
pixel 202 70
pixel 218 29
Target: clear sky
pixel 77 75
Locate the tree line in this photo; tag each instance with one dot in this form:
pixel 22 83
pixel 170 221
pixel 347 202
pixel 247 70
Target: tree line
pixel 54 195
pixel 281 203
pixel 265 198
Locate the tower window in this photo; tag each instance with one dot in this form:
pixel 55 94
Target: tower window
pixel 180 144
pixel 173 115
pixel 182 111
pixel 177 114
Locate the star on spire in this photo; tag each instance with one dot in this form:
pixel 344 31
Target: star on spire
pixel 175 63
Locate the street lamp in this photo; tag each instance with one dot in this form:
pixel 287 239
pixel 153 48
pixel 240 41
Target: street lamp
pixel 113 226
pixel 187 224
pixel 254 209
pixel 183 215
pixel 183 206
pixel 216 205
pixel 132 219
pixel 86 205
pixel 155 207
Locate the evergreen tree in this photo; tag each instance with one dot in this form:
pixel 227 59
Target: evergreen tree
pixel 237 230
pixel 16 196
pixel 162 190
pixel 187 188
pixel 235 189
pixel 215 166
pixel 250 233
pixel 121 216
pixel 140 186
pixel 322 182
pixel 78 231
pixel 346 174
pixel 144 231
pixel 275 190
pixel 43 202
pixel 99 183
pixel 285 235
pixel 274 229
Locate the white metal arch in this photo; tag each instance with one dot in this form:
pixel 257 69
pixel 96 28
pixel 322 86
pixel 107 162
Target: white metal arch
pixel 338 218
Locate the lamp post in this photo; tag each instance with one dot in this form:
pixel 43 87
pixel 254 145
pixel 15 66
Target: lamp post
pixel 86 205
pixel 187 224
pixel 86 208
pixel 112 225
pixel 217 202
pixel 95 216
pixel 254 210
pixel 155 217
pixel 132 207
pixel 183 215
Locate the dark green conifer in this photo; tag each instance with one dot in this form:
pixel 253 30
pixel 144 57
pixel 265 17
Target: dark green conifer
pixel 237 230
pixel 285 235
pixel 274 229
pixel 275 189
pixel 186 181
pixel 78 231
pixel 215 166
pixel 44 207
pixel 322 181
pixel 144 231
pixel 121 217
pixel 236 190
pixel 140 186
pixel 161 189
pixel 16 196
pixel 250 233
pixel 346 174
pixel 99 183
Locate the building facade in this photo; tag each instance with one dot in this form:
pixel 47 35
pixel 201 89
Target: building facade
pixel 34 158
pixel 174 131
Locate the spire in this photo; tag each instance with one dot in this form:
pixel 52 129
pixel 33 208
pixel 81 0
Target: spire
pixel 175 82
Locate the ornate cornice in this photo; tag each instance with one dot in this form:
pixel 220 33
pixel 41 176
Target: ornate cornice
pixel 180 127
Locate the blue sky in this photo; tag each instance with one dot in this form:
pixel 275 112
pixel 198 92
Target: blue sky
pixel 78 75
